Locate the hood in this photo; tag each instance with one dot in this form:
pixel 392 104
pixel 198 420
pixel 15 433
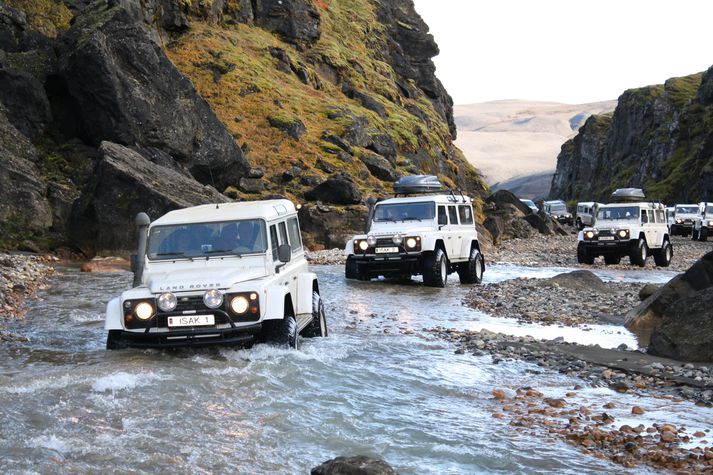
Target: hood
pixel 195 278
pixel 404 227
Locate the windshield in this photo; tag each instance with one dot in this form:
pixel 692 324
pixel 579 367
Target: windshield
pixel 624 212
pixel 405 211
pixel 529 203
pixel 207 239
pixel 709 210
pixel 558 209
pixel 687 209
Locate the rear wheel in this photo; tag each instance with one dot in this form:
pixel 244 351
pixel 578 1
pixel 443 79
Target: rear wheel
pixel 318 325
pixel 435 269
pixel 471 271
pixel 695 235
pixel 638 253
pixel 662 257
pixel 703 235
pixel 583 255
pixel 580 224
pixel 612 260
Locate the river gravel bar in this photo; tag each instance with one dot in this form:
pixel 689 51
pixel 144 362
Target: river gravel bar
pixel 20 277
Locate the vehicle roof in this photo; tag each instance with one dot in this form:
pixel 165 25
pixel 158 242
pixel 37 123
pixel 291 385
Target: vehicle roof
pixel 586 203
pixel 555 202
pixel 641 205
pixel 691 204
pixel 442 199
pixel 267 210
pixel 527 199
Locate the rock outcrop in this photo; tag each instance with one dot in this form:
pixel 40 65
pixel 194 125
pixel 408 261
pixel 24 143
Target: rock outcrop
pixel 667 319
pixel 124 184
pixel 508 218
pixel 654 140
pixel 357 465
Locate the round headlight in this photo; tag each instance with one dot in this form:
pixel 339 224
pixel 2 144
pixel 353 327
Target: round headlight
pixel 239 304
pixel 213 298
pixel 679 220
pixel 397 239
pixel 411 242
pixel 363 245
pixel 167 302
pixel 710 223
pixel 371 240
pixel 589 234
pixel 144 310
pixel 623 233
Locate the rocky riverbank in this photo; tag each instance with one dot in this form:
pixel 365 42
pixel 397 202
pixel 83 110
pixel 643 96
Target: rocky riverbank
pixel 561 251
pixel 326 257
pixel 20 277
pixel 595 428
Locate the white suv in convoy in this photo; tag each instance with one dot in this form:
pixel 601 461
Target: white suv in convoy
pixel 703 224
pixel 431 235
pixel 219 274
pixel 586 214
pixel 683 218
pixel 635 230
pixel 557 209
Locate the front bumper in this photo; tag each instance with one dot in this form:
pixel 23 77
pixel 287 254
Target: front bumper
pixel 617 246
pixel 195 337
pixel 389 264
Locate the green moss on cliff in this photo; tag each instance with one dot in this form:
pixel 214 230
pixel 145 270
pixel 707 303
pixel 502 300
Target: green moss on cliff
pixel 47 16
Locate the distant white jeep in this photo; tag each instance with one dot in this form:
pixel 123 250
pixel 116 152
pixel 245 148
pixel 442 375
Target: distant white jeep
pixel 635 230
pixel 683 218
pixel 430 235
pixel 703 224
pixel 586 214
pixel 220 274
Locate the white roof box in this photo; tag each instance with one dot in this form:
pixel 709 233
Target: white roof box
pixel 413 184
pixel 628 195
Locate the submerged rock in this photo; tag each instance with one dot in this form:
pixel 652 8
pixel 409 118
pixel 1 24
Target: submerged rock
pixel 357 465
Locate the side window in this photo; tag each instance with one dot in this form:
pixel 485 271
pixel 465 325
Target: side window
pixel 273 241
pixel 660 218
pixel 293 229
pixel 442 217
pixel 453 214
pixel 283 233
pixel 644 217
pixel 466 214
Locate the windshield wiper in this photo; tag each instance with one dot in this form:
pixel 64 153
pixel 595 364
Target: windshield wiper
pixel 175 254
pixel 223 251
pixel 412 218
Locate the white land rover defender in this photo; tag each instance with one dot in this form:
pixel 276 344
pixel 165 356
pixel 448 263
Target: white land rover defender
pixel 628 227
pixel 703 224
pixel 428 231
pixel 220 274
pixel 683 218
pixel 586 214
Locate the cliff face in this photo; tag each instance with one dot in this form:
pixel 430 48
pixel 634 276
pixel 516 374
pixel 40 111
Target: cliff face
pixel 659 138
pixel 227 99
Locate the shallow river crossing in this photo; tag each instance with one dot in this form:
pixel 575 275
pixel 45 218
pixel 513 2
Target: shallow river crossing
pixel 378 385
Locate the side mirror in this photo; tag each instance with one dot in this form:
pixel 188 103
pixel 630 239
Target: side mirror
pixel 284 253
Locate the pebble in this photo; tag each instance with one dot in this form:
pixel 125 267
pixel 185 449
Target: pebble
pixel 636 410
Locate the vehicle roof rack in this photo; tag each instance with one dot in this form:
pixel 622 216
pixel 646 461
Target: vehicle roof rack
pixel 423 185
pixel 628 195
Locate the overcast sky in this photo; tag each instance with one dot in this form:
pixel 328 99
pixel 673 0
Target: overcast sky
pixel 565 50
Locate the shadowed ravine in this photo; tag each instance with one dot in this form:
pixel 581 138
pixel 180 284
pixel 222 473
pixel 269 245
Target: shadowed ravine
pixel 378 385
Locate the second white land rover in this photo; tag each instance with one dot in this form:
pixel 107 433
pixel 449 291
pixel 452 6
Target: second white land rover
pixel 703 224
pixel 683 218
pixel 418 234
pixel 220 274
pixel 634 230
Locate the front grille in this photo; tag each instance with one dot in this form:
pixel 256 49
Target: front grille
pixel 606 232
pixel 191 303
pixel 384 242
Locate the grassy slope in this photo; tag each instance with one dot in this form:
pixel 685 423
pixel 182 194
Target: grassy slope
pixel 349 44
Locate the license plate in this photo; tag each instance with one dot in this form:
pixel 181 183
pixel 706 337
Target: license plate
pixel 386 250
pixel 606 238
pixel 191 321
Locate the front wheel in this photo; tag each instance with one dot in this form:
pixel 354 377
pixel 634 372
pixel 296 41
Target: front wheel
pixel 662 257
pixel 318 325
pixel 695 235
pixel 281 332
pixel 703 235
pixel 580 224
pixel 114 340
pixel 638 253
pixel 435 269
pixel 471 271
pixel 351 269
pixel 583 256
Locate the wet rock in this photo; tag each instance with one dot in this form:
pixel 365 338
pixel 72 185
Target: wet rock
pixel 637 410
pixel 647 291
pixel 555 402
pixel 580 280
pixel 356 465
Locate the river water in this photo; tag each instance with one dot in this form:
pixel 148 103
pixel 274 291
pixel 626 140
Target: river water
pixel 378 385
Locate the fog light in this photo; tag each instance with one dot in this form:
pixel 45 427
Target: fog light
pixel 144 310
pixel 213 298
pixel 371 240
pixel 239 304
pixel 397 239
pixel 167 302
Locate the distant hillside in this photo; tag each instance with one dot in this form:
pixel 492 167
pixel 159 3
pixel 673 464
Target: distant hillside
pixel 512 139
pixel 659 138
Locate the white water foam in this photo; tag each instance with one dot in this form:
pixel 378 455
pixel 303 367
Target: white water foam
pixel 122 380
